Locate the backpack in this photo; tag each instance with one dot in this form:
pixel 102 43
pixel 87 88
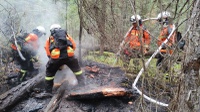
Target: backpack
pixel 181 42
pixel 20 38
pixel 60 40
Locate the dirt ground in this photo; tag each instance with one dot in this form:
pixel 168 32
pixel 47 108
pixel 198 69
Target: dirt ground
pixel 97 75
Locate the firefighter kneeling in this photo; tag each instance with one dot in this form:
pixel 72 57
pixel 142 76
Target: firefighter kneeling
pixel 60 49
pixel 132 47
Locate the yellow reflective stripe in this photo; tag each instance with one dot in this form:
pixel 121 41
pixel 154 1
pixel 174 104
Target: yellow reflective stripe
pixel 27 38
pixel 70 50
pixel 78 73
pixel 161 37
pixel 53 52
pixel 134 34
pixel 23 74
pixel 49 78
pixel 23 71
pixel 51 41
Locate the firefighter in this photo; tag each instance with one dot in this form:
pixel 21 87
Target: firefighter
pixel 132 48
pixel 60 49
pixel 164 19
pixel 28 45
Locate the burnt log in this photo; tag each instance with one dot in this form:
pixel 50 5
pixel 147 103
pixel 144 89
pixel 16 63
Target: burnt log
pixel 19 92
pixel 100 92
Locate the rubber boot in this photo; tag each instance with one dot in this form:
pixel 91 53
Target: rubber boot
pixel 48 86
pixel 81 80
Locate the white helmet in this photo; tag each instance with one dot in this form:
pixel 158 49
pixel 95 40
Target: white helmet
pixel 54 26
pixel 41 29
pixel 133 18
pixel 163 15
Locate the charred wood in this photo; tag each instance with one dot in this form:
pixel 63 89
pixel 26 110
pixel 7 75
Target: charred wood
pixel 55 101
pixel 101 92
pixel 17 93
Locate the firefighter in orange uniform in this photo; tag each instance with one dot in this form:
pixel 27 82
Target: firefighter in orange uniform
pixel 133 41
pixel 28 46
pixel 164 19
pixel 60 49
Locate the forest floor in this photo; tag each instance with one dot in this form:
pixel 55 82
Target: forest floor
pixel 97 75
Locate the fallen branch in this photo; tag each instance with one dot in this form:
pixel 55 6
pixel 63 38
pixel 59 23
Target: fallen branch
pixel 55 101
pixel 100 92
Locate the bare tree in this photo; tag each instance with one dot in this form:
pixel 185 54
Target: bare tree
pixel 188 93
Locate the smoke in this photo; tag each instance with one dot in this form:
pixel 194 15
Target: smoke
pixel 65 74
pixel 28 14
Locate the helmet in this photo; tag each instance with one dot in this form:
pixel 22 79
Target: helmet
pixel 41 29
pixel 133 18
pixel 54 26
pixel 163 15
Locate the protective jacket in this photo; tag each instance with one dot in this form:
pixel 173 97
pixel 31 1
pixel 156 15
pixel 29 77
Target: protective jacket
pixel 30 39
pixel 57 53
pixel 133 38
pixel 164 33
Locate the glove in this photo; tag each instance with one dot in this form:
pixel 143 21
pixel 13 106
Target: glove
pixel 35 58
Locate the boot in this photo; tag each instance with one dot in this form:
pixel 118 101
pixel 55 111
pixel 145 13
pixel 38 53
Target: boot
pixel 48 86
pixel 81 80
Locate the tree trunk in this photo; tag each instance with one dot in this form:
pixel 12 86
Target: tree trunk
pixel 19 92
pixel 100 16
pixel 188 94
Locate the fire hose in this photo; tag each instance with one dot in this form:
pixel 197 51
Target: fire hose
pixel 146 65
pixel 19 52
